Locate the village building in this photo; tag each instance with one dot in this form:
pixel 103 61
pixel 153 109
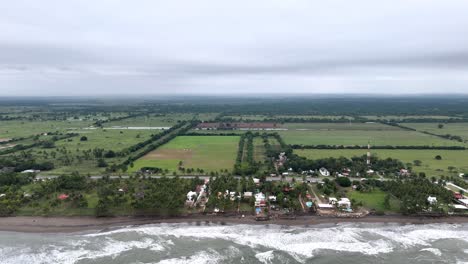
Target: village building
pixel 248 195
pixel 431 200
pixel 324 172
pixel 344 203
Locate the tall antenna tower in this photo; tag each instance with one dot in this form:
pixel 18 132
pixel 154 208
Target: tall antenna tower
pixel 368 153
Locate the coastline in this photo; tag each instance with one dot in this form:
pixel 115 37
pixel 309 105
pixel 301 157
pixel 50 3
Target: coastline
pixel 38 224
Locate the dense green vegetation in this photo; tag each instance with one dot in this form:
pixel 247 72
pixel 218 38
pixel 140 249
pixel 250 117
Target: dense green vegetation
pixel 136 138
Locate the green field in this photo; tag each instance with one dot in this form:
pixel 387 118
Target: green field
pixel 357 134
pixel 456 129
pixel 75 159
pixel 374 200
pixel 109 139
pixel 15 129
pixel 431 166
pixel 210 153
pixel 151 120
pixel 259 149
pixel 401 117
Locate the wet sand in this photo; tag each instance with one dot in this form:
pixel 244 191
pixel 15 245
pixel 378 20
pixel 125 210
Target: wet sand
pixel 33 224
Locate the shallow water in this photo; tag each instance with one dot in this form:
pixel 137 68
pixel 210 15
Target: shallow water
pixel 208 243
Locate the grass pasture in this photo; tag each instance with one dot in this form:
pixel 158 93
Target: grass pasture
pixel 109 139
pixel 402 117
pixel 374 200
pixel 151 120
pixel 210 153
pixel 429 165
pixel 456 129
pixel 16 129
pixel 358 134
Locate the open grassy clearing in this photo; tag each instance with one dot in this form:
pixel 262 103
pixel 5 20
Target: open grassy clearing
pixel 210 153
pixel 206 116
pixel 218 131
pixel 397 117
pixel 358 134
pixel 17 128
pixel 374 200
pixel 340 126
pixel 248 117
pixel 74 160
pixel 109 139
pixel 151 120
pixel 315 117
pixel 259 149
pixel 457 129
pixel 429 165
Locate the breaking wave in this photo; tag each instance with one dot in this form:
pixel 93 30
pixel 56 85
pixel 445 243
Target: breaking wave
pixel 185 243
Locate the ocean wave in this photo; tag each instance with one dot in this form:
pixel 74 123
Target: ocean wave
pixel 434 251
pixel 265 244
pixel 202 257
pixel 304 242
pixel 76 251
pixel 265 257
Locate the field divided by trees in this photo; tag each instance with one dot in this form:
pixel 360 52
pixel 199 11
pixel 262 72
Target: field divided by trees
pixel 207 153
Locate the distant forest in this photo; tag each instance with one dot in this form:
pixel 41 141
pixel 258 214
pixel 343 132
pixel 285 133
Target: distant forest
pixel 294 105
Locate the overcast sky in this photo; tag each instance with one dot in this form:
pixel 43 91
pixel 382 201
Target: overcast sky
pixel 216 47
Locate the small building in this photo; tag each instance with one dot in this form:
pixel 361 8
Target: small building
pixel 431 200
pixel 404 172
pixel 248 194
pixel 324 172
pixel 344 202
pixel 459 207
pixel 272 198
pixel 2 195
pixel 463 201
pixel 458 196
pixel 256 181
pixel 31 171
pixel 191 196
pixel 63 196
pixel 332 200
pixel 325 206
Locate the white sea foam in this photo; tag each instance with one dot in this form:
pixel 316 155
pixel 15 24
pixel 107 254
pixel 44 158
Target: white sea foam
pixel 72 254
pixel 434 251
pixel 270 242
pixel 265 257
pixel 202 257
pixel 303 242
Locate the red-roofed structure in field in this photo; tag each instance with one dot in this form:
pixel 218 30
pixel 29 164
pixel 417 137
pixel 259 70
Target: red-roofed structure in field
pixel 63 196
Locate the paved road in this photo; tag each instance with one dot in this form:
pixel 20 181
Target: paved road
pixel 96 177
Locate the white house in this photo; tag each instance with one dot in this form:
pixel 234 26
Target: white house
pixel 325 206
pixel 248 194
pixel 324 172
pixel 272 198
pixel 344 202
pixel 463 201
pixel 332 200
pixel 191 195
pixel 431 200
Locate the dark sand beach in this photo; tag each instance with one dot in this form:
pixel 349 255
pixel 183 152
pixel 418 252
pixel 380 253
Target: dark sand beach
pixel 38 224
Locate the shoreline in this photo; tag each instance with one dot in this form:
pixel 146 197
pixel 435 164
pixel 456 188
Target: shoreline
pixel 39 224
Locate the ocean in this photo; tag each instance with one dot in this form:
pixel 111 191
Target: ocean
pixel 212 243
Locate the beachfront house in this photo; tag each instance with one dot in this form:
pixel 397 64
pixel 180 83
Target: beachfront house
pixel 344 203
pixel 431 200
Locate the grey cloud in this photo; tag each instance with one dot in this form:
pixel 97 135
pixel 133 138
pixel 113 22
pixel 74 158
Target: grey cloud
pixel 233 47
